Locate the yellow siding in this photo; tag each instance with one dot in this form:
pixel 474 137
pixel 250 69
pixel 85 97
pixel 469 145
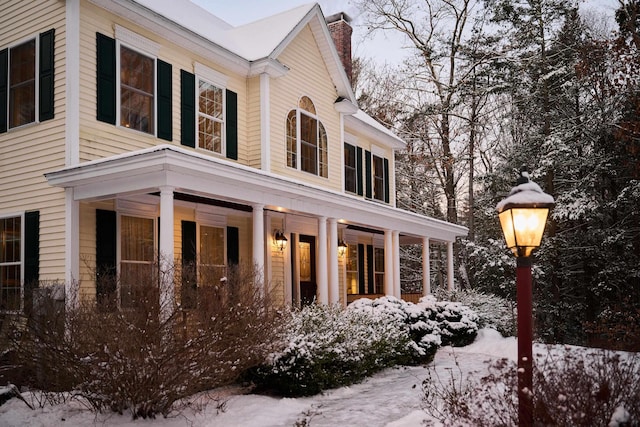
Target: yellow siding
pixel 307 76
pixel 28 152
pixel 253 122
pixel 99 139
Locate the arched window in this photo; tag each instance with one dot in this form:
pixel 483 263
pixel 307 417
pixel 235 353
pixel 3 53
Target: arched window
pixel 306 140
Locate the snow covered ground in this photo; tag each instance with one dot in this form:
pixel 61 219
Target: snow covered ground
pixel 391 398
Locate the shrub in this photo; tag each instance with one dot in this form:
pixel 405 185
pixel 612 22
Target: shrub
pixel 326 347
pixel 458 324
pixel 493 311
pixel 571 387
pixel 131 360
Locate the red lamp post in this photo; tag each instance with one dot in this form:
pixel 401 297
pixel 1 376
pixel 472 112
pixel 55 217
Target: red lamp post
pixel 523 215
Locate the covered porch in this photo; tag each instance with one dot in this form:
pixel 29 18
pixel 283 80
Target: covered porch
pixel 165 180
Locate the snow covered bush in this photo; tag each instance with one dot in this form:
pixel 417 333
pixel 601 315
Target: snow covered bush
pixel 493 311
pixel 326 347
pixel 132 360
pixel 458 323
pixel 419 323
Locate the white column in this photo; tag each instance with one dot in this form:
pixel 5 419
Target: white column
pixel 426 267
pixel 258 238
pixel 449 266
pixel 334 296
pixel 396 264
pixel 167 297
pixel 72 250
pixel 321 271
pixel 388 263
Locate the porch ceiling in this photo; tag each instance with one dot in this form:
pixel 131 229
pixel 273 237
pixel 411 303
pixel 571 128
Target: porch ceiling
pixel 189 172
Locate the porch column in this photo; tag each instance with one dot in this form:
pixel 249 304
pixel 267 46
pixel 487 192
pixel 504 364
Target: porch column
pixel 167 297
pixel 321 271
pixel 72 255
pixel 426 267
pixel 388 263
pixel 258 238
pixel 449 266
pixel 396 265
pixel 334 296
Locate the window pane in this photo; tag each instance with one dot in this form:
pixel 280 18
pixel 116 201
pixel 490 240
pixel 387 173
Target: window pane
pixel 350 181
pixel 305 262
pixel 10 240
pixel 379 270
pixel 136 90
pixel 308 144
pixel 10 287
pixel 210 100
pixel 212 245
pixel 352 269
pixel 292 148
pixel 137 239
pixel 210 134
pixel 10 280
pixel 22 84
pixel 307 105
pixel 378 178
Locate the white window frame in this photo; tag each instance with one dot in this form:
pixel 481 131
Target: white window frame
pixel 21 262
pixel 299 111
pixel 36 99
pixel 143 46
pixel 223 137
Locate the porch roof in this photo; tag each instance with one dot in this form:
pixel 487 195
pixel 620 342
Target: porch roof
pixel 145 171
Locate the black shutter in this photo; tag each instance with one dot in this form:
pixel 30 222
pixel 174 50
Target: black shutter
pixel 31 250
pixel 46 75
pixel 386 180
pixel 370 265
pixel 359 170
pixel 106 271
pixel 232 125
pixel 187 109
pixel 188 242
pixel 361 272
pixel 233 246
pixel 165 118
pixel 106 78
pixel 367 174
pixel 4 71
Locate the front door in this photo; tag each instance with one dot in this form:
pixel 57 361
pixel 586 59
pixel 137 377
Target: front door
pixel 307 269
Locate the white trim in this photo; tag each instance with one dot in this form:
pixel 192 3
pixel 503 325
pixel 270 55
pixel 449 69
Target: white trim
pixel 136 41
pixel 72 83
pixel 137 208
pixel 20 215
pixel 210 219
pixel 377 151
pixel 212 76
pixel 36 94
pixel 223 137
pixel 265 123
pixel 349 138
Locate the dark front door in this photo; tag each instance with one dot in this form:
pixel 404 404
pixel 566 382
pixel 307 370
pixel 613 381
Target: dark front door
pixel 307 269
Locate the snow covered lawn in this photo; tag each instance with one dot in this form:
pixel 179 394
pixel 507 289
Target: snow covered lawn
pixel 391 398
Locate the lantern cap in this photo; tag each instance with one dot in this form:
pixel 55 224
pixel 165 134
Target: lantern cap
pixel 526 194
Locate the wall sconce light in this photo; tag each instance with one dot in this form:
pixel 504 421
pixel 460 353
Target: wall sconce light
pixel 342 248
pixel 280 240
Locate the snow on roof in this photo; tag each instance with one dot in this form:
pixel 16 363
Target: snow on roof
pixel 252 41
pixel 369 121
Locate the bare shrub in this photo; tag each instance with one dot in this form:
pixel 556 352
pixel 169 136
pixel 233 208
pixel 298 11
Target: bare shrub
pixel 571 388
pixel 133 359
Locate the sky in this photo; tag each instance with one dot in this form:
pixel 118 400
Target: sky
pixel 381 48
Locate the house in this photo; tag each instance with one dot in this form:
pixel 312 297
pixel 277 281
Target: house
pixel 132 128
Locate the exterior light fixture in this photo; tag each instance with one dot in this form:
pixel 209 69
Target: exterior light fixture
pixel 342 248
pixel 280 240
pixel 523 215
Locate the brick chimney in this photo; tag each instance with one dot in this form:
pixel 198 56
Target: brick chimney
pixel 341 34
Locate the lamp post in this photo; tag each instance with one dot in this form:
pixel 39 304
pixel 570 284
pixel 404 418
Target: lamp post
pixel 523 215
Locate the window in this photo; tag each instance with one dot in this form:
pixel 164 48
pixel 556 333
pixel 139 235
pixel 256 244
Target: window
pixel 212 259
pixel 350 168
pixel 210 117
pixel 137 252
pixel 378 270
pixel 26 82
pixel 134 87
pixel 137 85
pixel 306 140
pixel 10 263
pixel 352 269
pixel 378 178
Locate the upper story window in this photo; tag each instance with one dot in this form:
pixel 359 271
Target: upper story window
pixel 26 82
pixel 137 90
pixel 210 117
pixel 378 178
pixel 306 140
pixel 134 87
